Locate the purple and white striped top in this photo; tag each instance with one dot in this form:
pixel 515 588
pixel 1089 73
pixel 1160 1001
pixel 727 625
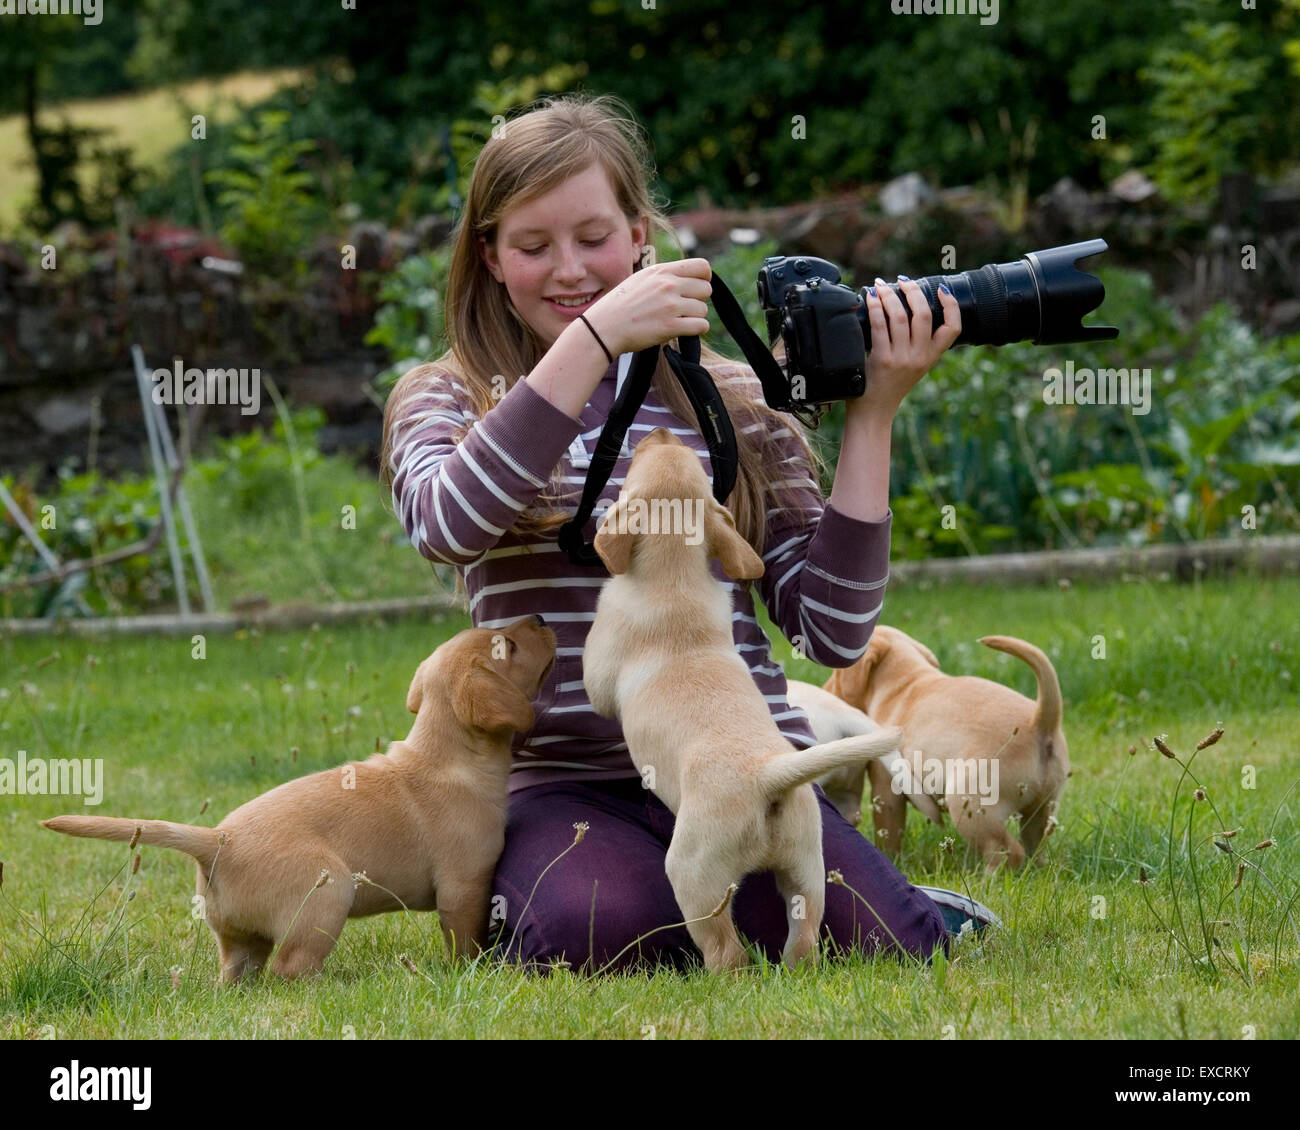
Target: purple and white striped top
pixel 825 572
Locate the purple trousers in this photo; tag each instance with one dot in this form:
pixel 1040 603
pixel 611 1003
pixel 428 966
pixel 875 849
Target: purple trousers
pixel 611 888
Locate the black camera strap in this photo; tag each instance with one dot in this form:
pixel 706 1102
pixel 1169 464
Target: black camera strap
pixel 715 423
pixel 776 389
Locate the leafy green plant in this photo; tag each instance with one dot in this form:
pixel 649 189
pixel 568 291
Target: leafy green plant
pixel 1200 126
pixel 1011 200
pixel 922 529
pixel 254 470
pixel 1291 47
pixel 67 155
pixel 270 206
pixel 1214 440
pixel 89 515
pixel 411 323
pixel 1111 496
pixel 1233 407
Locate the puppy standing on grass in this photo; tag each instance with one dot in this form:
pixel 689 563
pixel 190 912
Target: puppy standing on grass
pixel 962 720
pixel 661 658
pixel 425 822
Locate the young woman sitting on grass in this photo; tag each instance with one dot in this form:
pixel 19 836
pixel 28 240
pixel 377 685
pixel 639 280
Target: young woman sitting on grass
pixel 552 288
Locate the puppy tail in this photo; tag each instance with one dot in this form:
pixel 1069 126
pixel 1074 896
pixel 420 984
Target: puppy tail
pixel 847 720
pixel 1047 719
pixel 790 768
pixel 201 843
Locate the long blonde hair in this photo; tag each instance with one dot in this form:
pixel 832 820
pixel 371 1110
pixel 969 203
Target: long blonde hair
pixel 535 153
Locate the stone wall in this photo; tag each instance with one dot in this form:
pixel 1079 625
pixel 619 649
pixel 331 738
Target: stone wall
pixel 66 336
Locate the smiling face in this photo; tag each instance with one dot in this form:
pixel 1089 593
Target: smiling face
pixel 572 242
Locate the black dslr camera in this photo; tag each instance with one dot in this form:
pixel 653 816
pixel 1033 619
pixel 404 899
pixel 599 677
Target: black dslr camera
pixel 1042 298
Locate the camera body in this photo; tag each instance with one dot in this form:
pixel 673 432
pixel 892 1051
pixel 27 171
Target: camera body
pixel 818 319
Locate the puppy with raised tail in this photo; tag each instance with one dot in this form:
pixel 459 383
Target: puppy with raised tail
pixel 959 722
pixel 661 658
pixel 424 823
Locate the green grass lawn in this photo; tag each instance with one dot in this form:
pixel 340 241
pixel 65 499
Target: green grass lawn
pixel 1082 954
pixel 252 522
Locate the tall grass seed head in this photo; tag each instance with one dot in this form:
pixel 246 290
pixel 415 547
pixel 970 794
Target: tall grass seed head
pixel 1210 738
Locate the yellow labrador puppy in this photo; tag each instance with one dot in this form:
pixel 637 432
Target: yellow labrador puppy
pixel 995 753
pixel 424 822
pixel 660 657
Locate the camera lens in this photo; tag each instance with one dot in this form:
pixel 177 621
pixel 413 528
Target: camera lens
pixel 1041 298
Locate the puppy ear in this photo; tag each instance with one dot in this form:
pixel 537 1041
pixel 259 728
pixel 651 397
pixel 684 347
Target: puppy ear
pixel 415 695
pixel 612 544
pixel 739 561
pixel 484 700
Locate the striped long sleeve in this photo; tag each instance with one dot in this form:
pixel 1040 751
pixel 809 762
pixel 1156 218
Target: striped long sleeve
pixel 456 500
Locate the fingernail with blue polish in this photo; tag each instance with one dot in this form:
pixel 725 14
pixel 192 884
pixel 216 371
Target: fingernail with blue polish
pixel 871 290
pixel 944 287
pixel 903 278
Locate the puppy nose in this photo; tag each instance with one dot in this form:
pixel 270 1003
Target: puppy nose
pixel 537 616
